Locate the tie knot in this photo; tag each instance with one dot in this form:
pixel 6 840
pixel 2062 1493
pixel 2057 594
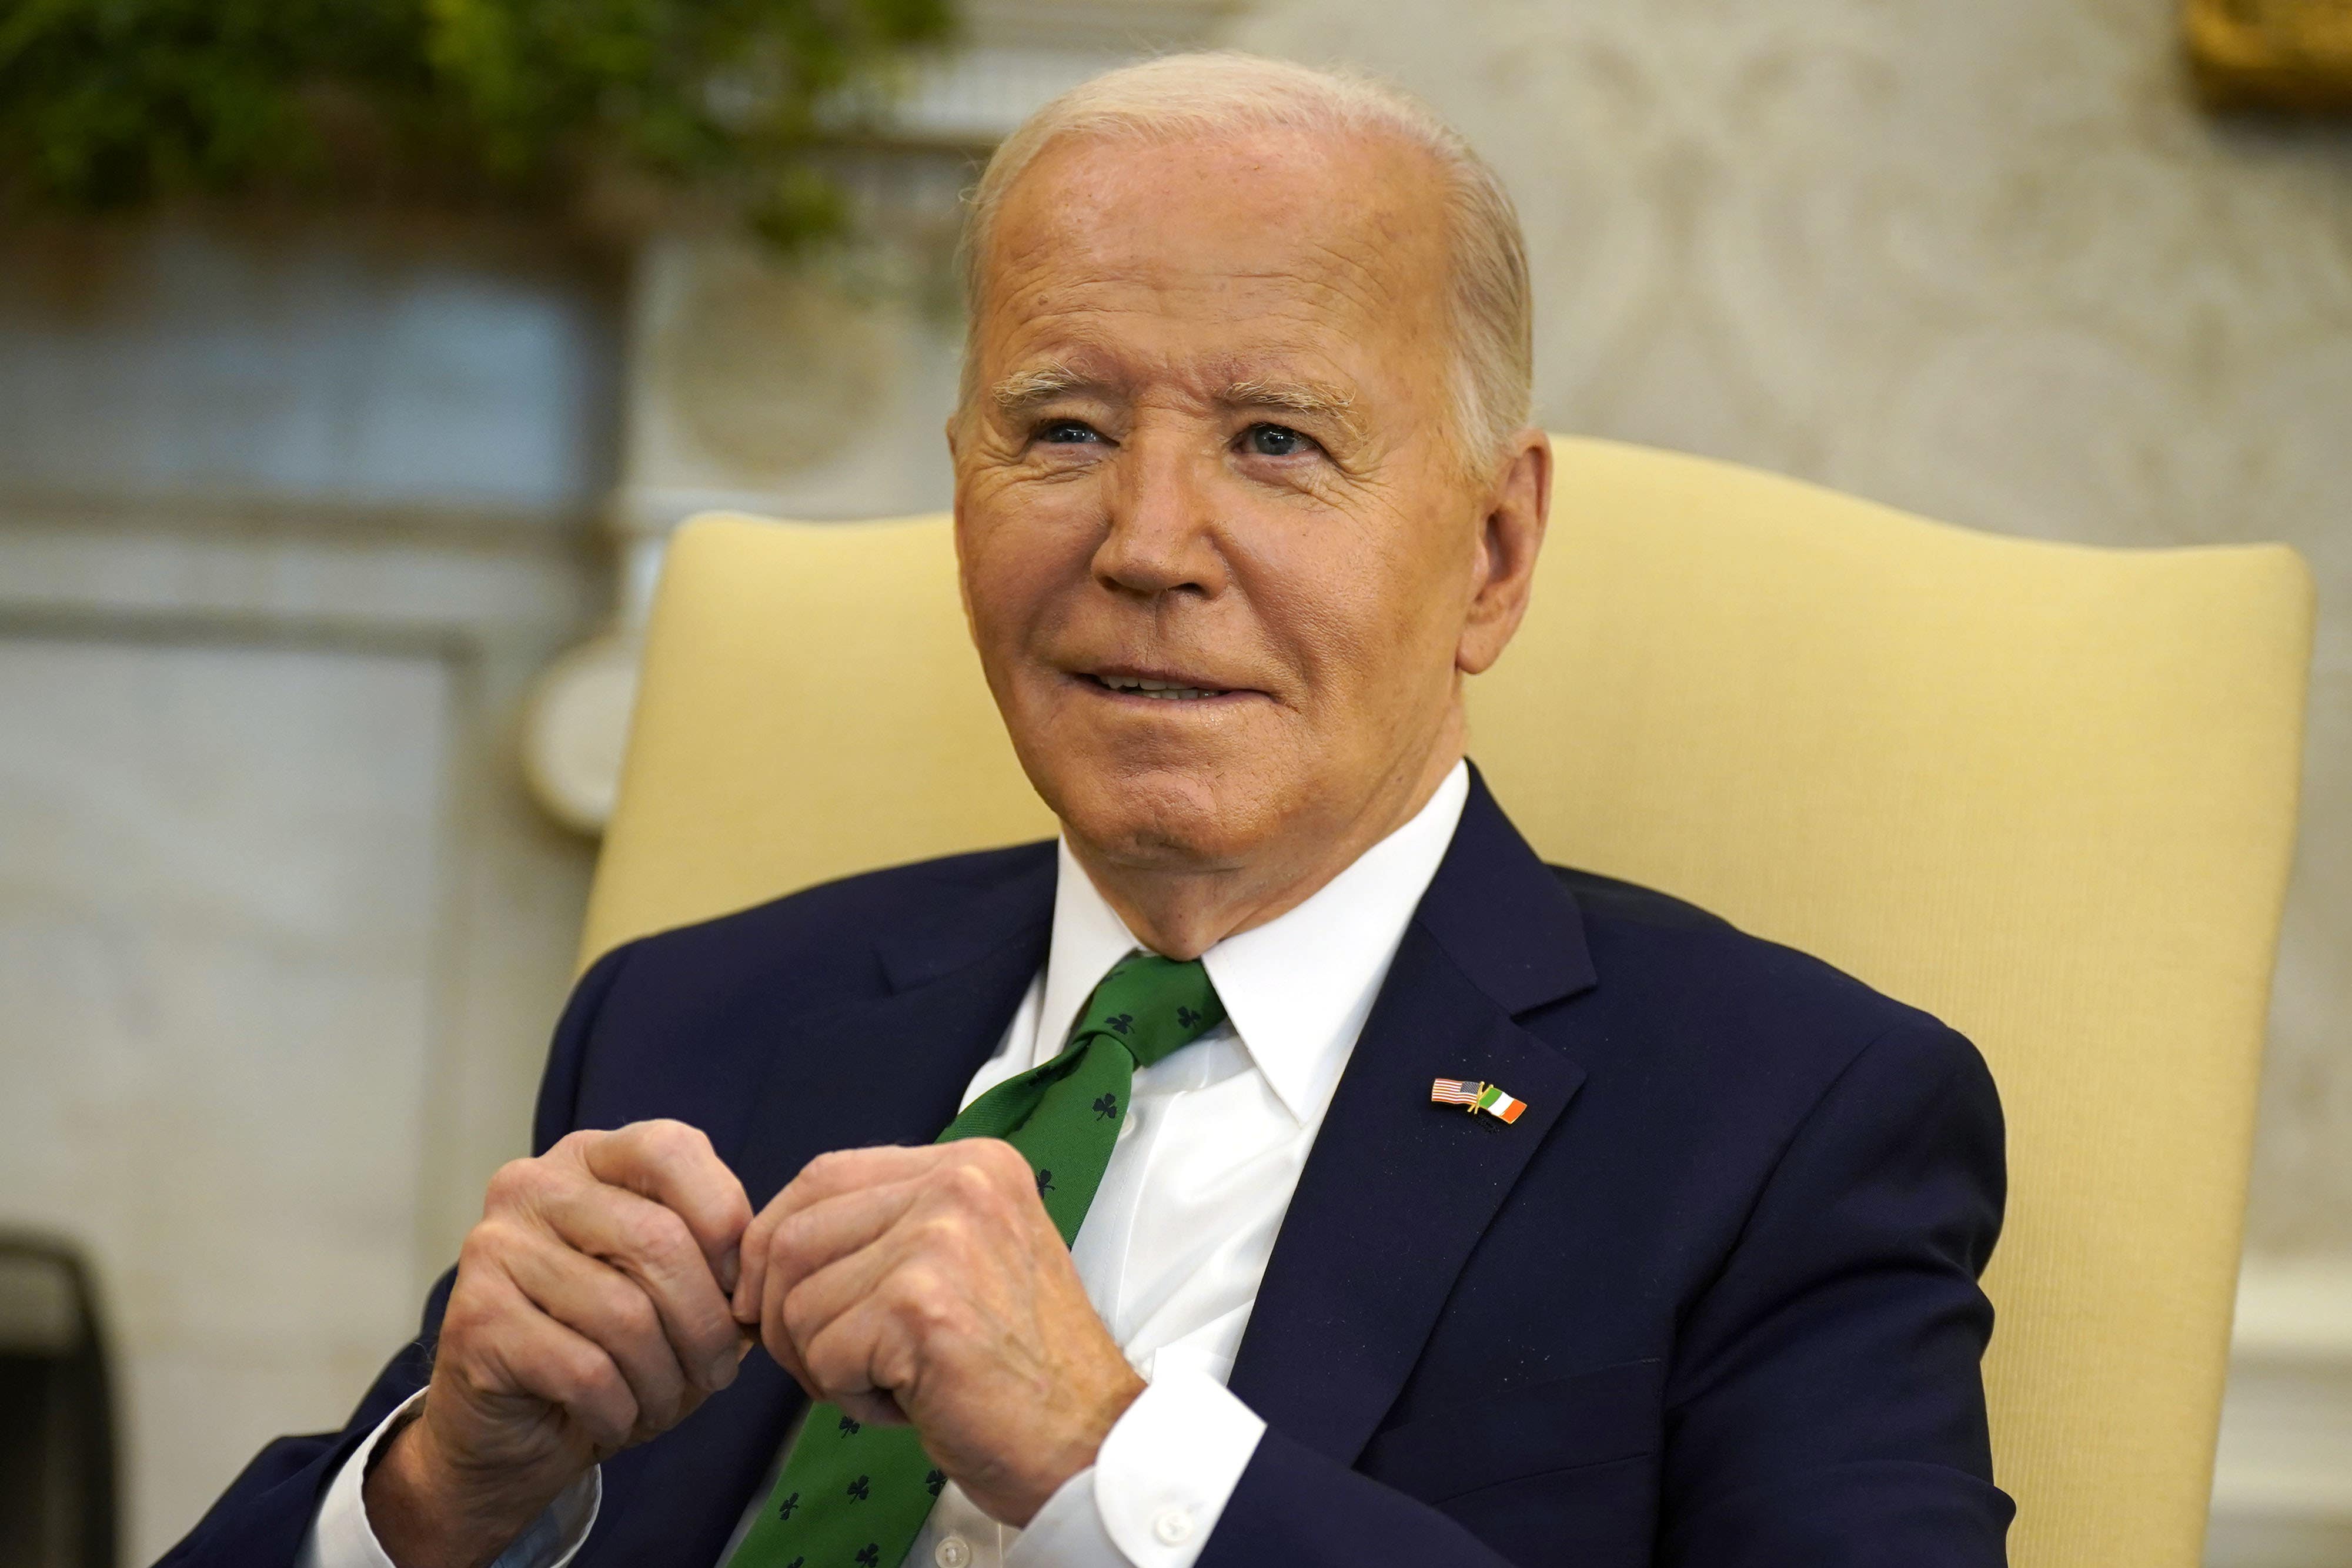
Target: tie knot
pixel 1152 1006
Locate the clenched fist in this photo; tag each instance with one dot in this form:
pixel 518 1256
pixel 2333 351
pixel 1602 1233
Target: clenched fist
pixel 591 1312
pixel 928 1285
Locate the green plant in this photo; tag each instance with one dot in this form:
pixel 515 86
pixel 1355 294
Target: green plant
pixel 114 104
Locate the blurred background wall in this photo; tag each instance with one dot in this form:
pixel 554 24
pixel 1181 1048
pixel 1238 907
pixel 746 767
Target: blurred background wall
pixel 287 522
pixel 293 514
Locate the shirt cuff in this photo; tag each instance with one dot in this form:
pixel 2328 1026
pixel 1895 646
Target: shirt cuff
pixel 342 1537
pixel 1161 1481
pixel 1067 1532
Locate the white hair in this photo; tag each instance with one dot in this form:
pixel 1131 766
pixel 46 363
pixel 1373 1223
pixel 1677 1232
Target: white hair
pixel 1215 94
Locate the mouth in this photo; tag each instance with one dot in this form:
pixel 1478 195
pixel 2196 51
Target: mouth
pixel 1158 685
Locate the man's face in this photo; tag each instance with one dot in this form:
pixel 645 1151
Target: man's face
pixel 1209 457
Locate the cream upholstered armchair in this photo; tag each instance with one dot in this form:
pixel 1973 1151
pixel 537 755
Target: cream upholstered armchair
pixel 2044 791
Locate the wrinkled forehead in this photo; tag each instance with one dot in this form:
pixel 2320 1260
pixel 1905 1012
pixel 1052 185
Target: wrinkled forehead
pixel 1260 243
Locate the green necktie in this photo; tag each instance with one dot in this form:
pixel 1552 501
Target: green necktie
pixel 855 1497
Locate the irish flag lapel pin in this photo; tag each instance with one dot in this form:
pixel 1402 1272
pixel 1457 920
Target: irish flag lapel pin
pixel 1474 1097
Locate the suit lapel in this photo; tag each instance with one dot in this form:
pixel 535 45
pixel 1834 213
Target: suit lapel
pixel 1398 1191
pixel 890 1071
pixel 882 1071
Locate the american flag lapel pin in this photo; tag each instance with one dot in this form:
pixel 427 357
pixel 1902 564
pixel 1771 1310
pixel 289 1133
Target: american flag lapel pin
pixel 1474 1097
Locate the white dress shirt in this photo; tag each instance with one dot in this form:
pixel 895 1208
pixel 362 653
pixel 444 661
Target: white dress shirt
pixel 1177 1239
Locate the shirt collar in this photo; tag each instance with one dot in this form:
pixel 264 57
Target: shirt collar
pixel 1299 988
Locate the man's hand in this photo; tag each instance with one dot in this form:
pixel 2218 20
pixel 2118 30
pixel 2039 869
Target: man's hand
pixel 928 1285
pixel 590 1312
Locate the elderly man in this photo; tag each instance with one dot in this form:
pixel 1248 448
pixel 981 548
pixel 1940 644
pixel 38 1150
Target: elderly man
pixel 1097 1194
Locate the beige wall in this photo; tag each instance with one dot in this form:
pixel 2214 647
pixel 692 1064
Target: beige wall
pixel 288 523
pixel 221 893
pixel 1981 260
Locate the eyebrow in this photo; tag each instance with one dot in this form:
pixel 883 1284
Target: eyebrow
pixel 1314 399
pixel 1026 389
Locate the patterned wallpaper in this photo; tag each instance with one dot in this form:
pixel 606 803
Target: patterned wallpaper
pixel 1984 261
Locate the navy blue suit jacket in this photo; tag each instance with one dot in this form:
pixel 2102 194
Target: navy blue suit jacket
pixel 1710 1301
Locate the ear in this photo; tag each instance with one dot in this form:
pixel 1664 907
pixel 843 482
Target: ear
pixel 1510 533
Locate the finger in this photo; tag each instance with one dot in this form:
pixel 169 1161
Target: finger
pixel 824 1233
pixel 980 1186
pixel 675 1165
pixel 609 1310
pixel 652 1246
pixel 829 1175
pixel 793 1313
pixel 964 1221
pixel 535 1355
pixel 862 1357
pixel 784 1320
pixel 768 1324
pixel 988 1170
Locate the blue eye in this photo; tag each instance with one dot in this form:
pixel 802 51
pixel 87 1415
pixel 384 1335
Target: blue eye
pixel 1065 432
pixel 1276 441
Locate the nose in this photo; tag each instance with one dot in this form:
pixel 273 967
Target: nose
pixel 1162 536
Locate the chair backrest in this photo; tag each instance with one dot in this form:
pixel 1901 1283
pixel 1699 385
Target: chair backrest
pixel 2045 791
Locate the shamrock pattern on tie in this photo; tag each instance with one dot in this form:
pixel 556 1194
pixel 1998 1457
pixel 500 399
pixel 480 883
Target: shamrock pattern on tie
pixel 858 1499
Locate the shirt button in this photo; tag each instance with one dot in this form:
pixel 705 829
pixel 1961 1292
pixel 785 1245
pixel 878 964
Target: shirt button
pixel 953 1552
pixel 1173 1527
